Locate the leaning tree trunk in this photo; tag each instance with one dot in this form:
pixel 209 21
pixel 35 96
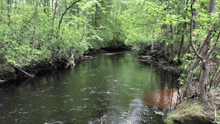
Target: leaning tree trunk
pixel 204 53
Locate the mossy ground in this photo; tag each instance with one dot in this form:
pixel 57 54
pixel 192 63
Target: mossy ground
pixel 196 112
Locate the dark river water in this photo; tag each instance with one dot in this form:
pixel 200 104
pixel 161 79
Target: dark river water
pixel 111 88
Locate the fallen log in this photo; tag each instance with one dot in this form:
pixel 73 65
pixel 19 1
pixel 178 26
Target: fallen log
pixel 2 81
pixel 18 68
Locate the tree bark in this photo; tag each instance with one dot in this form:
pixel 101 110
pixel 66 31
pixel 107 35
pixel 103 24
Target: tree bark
pixel 212 6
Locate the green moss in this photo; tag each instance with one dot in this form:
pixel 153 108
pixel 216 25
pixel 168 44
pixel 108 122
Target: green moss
pixel 169 121
pixel 186 111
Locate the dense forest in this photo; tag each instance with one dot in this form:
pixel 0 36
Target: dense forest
pixel 185 31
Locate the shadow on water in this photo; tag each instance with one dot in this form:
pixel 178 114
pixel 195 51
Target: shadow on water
pixel 111 88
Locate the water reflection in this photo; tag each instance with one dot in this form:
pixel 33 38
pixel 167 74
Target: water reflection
pixel 162 98
pixel 106 89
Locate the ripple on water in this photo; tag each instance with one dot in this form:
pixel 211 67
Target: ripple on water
pixel 92 75
pixel 54 122
pixel 83 89
pixel 86 99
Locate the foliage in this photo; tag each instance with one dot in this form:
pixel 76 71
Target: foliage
pixel 29 30
pixel 39 30
pixel 217 116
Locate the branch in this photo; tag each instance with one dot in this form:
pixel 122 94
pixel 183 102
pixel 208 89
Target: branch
pixel 211 81
pixel 30 75
pixel 204 41
pixel 2 81
pixel 81 38
pixel 66 11
pixel 213 47
pixel 191 34
pixel 192 45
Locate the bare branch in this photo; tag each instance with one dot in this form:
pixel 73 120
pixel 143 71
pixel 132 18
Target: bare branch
pixel 191 34
pixel 192 44
pixel 61 19
pixel 214 46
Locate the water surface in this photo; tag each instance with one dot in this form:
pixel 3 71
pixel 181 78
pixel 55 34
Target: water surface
pixel 110 88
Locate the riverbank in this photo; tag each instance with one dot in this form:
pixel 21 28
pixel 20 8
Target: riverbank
pixel 189 110
pixel 13 75
pixel 162 62
pixel 197 112
pixel 184 113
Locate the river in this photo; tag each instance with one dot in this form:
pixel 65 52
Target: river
pixel 110 88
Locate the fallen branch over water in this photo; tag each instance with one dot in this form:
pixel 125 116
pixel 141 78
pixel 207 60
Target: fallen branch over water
pixel 16 67
pixel 2 81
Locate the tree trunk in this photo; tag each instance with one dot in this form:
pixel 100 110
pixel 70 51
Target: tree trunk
pixel 204 53
pixel 195 14
pixel 182 41
pixel 52 5
pixel 152 46
pixel 96 14
pixel 9 11
pixel 203 81
pixel 35 25
pixel 54 14
pixel 171 44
